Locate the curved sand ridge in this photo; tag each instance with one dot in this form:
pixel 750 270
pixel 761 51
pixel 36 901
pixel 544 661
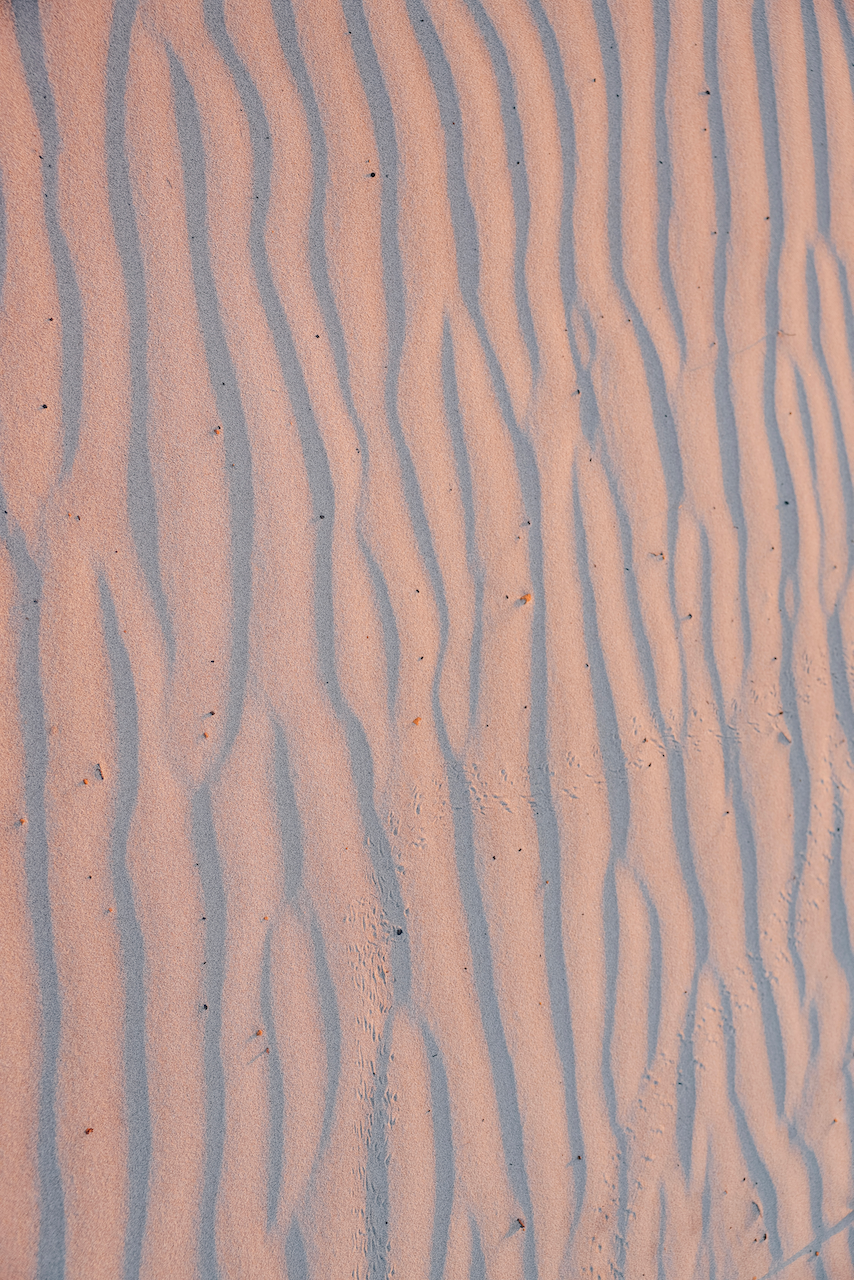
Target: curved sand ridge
pixel 427 639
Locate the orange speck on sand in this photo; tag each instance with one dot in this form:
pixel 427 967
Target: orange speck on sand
pixel 85 782
pixel 417 720
pixel 22 821
pixel 88 1131
pixel 526 599
pixel 259 1032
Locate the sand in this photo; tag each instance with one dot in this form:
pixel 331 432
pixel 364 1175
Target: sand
pixel 426 639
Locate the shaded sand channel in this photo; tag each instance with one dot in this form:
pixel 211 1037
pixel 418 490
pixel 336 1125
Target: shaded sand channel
pixel 426 639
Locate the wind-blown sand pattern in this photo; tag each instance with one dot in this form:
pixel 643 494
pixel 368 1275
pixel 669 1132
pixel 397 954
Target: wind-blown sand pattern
pixel 427 640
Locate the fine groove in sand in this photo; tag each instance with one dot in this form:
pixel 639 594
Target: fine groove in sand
pixel 426 638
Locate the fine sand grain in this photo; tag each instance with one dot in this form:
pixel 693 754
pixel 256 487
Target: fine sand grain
pixel 426 639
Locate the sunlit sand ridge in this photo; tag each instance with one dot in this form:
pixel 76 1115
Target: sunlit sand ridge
pixel 426 639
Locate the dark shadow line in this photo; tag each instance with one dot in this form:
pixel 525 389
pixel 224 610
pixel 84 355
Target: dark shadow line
pixel 707 623
pixel 847 37
pixel 686 1083
pixel 664 186
pixel 845 461
pixel 331 1030
pixel 141 498
pixel 3 242
pixel 839 678
pixel 706 1234
pixel 238 454
pixel 655 975
pixel 275 1089
pixel 845 478
pixel 52 1228
pixel 477 1266
pixel 377 1198
pixel 463 219
pixel 545 818
pixel 771 1028
pixel 456 430
pixel 809 440
pixel 799 772
pixel 752 1159
pixel 800 777
pixel 789 532
pixel 295 1257
pixel 290 822
pixel 213 897
pixel 724 408
pixel 661 1272
pixel 515 154
pixel 619 808
pixel 813 1169
pixel 503 1076
pixel 840 938
pixel 827 1234
pixel 568 279
pixel 29 34
pixel 130 933
pixel 443 1146
pixel 286 29
pixel 818 114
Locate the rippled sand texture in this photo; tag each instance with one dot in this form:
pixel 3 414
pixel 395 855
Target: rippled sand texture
pixel 426 723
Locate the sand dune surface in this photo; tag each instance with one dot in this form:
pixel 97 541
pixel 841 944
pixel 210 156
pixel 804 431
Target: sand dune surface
pixel 426 639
